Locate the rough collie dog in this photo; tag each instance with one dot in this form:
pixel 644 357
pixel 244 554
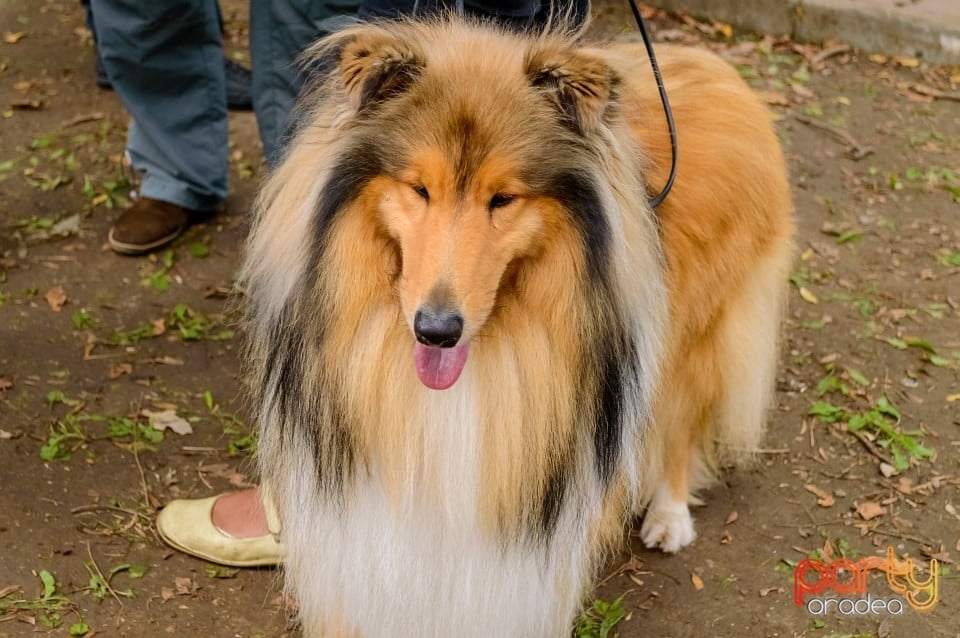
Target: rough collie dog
pixel 477 350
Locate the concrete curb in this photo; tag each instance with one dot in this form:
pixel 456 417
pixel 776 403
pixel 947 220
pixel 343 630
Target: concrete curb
pixel 928 29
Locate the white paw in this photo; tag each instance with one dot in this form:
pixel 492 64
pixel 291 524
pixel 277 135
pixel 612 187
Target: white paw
pixel 667 524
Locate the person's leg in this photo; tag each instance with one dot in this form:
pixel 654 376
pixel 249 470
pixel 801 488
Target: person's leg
pixel 229 529
pixel 240 514
pixel 165 62
pixel 279 31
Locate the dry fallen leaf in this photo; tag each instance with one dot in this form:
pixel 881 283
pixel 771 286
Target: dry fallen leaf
pixel 5 384
pixel 119 370
pixel 697 582
pixel 953 397
pixel 774 98
pixel 724 29
pixel 808 296
pixel 56 297
pixel 13 38
pixel 185 586
pixel 905 62
pixel 168 420
pixel 824 499
pixel 869 510
pixel 26 105
pixel 731 518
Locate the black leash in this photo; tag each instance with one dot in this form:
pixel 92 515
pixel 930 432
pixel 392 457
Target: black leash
pixel 656 201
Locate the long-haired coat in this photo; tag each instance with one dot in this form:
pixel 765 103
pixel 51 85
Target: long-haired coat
pixel 476 349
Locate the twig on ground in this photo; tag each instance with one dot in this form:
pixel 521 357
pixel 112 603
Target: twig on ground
pixel 112 508
pixel 96 116
pixel 103 578
pixel 903 537
pixel 867 443
pixel 934 93
pixel 855 150
pixel 829 52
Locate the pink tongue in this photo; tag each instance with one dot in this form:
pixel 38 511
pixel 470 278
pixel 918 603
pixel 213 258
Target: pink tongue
pixel 439 368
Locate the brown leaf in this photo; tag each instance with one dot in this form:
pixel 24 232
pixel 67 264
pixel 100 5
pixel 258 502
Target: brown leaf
pixel 159 327
pixel 166 593
pixel 56 297
pixel 869 510
pixel 774 98
pixel 769 590
pixel 119 370
pixel 168 420
pixel 731 518
pixel 12 38
pixel 26 105
pixel 697 582
pixel 185 586
pixel 824 499
pixel 5 384
pixel 905 62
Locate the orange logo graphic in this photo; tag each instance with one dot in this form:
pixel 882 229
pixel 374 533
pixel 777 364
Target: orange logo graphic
pixel 845 576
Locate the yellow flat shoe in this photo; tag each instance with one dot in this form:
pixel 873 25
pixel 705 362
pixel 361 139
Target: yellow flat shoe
pixel 187 525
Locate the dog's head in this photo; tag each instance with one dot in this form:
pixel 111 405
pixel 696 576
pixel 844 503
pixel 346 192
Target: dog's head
pixel 484 146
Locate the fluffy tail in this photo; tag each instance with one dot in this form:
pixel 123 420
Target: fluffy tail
pixel 747 357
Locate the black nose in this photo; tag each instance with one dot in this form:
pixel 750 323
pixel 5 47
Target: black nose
pixel 441 329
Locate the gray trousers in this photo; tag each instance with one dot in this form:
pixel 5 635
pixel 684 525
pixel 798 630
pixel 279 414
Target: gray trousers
pixel 165 62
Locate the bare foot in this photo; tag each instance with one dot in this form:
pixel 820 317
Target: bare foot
pixel 240 514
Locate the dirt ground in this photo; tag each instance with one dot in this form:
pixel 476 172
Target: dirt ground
pixel 863 451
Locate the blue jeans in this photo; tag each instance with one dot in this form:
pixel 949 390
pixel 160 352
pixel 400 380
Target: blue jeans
pixel 165 62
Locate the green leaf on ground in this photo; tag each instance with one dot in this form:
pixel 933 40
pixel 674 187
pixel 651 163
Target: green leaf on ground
pixel 600 619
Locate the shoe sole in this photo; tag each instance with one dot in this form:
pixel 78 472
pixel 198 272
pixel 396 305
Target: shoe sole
pixel 125 248
pixel 192 551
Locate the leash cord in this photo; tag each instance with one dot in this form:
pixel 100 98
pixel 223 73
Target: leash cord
pixel 656 201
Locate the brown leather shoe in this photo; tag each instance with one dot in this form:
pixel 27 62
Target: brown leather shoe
pixel 148 225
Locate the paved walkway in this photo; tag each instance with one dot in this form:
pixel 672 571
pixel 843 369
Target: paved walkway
pixel 929 29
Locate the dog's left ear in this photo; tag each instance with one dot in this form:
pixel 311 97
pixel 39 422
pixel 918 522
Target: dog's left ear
pixel 375 65
pixel 582 88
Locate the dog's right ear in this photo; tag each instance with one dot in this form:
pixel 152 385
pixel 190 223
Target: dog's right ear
pixel 373 65
pixel 581 88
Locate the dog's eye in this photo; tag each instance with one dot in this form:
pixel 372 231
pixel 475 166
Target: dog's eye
pixel 500 200
pixel 422 192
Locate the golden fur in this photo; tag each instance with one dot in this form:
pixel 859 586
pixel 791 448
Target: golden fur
pixel 613 348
